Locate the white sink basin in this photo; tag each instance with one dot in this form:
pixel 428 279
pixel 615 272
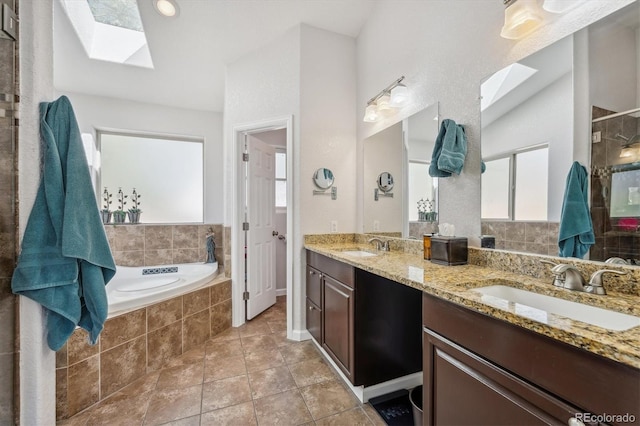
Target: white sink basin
pixel 358 253
pixel 536 306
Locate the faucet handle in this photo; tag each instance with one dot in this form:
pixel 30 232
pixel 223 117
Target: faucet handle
pixel 596 285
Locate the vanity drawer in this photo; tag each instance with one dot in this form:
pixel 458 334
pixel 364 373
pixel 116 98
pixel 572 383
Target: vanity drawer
pixel 333 268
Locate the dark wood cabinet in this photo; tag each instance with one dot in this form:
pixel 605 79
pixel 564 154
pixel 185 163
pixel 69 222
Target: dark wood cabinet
pixel 483 371
pixel 370 326
pixel 338 318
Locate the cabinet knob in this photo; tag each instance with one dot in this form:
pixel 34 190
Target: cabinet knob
pixel 311 308
pixel 574 422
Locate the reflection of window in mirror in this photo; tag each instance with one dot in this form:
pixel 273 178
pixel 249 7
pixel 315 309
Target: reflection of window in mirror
pixel 281 178
pixel 166 172
pixel 421 187
pixel 515 185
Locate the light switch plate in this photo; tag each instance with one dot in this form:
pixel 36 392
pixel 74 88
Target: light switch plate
pixel 9 22
pixel 596 137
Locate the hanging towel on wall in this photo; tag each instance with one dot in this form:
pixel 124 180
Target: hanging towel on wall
pixel 65 261
pixel 449 150
pixel 576 230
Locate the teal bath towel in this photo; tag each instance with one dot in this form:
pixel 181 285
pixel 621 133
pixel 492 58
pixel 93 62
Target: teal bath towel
pixel 65 261
pixel 449 150
pixel 576 230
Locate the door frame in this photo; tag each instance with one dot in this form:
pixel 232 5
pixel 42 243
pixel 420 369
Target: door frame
pixel 238 197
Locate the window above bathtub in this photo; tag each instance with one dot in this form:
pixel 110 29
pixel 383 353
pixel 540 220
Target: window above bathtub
pixel 166 172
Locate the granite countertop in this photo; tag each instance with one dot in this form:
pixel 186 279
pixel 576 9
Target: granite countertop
pixel 456 284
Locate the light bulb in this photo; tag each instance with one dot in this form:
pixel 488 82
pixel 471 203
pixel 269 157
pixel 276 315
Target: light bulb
pixel 167 8
pixel 520 18
pixel 399 96
pixel 371 113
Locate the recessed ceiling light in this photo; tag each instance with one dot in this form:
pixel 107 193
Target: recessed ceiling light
pixel 167 8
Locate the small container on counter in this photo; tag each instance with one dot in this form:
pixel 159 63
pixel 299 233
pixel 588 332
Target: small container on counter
pixel 488 241
pixel 449 250
pixel 427 246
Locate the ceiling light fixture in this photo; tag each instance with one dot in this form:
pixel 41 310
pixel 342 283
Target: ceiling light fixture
pixel 520 18
pixel 395 95
pixel 560 6
pixel 168 8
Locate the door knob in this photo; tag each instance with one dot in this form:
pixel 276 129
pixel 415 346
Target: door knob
pixel 274 233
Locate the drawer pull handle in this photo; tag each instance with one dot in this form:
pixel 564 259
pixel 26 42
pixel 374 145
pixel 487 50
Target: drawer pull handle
pixel 312 272
pixel 574 422
pixel 311 308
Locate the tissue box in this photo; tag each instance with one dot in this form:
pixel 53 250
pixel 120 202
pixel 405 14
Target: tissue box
pixel 449 250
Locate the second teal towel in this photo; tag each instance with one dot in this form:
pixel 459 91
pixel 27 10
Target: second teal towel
pixel 576 229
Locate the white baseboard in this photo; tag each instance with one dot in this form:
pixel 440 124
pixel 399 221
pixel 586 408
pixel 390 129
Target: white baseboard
pixel 364 394
pixel 299 335
pixel 281 292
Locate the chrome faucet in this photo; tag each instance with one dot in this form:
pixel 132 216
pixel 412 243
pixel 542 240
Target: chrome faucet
pixel 596 285
pixel 569 277
pixel 380 245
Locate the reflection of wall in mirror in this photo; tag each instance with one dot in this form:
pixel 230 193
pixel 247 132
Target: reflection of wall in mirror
pixel 384 153
pixel 544 117
pixel 422 128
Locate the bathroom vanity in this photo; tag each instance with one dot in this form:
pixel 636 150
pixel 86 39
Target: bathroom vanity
pixel 484 361
pixel 368 325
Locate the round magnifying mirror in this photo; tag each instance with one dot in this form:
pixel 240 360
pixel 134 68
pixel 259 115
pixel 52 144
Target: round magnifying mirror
pixel 323 178
pixel 385 182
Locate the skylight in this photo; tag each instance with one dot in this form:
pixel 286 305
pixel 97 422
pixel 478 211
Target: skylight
pixel 110 30
pixel 503 82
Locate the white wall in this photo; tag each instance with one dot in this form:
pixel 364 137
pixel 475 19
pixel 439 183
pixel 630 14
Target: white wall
pixel 445 48
pixel 612 68
pixel 544 118
pixel 37 362
pixel 119 114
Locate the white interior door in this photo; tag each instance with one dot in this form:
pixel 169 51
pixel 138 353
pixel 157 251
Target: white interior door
pixel 261 243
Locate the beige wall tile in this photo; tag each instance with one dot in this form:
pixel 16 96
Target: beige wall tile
pixel 158 237
pixel 186 236
pixel 195 301
pixel 195 330
pixel 158 257
pixel 129 258
pixel 122 328
pixel 164 344
pixel 165 313
pixel 61 357
pixel 83 385
pixel 186 255
pixel 122 365
pixel 220 292
pixel 537 232
pixel 220 317
pixel 128 237
pixel 78 347
pixel 62 409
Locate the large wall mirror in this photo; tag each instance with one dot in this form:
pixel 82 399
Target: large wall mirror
pixel 575 100
pixel 402 150
pixel 170 191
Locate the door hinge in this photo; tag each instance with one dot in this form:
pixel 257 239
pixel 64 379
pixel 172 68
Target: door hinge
pixel 245 295
pixel 245 226
pixel 245 156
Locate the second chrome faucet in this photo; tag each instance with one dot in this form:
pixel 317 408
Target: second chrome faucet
pixel 569 277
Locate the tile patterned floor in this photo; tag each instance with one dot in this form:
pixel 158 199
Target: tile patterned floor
pixel 250 375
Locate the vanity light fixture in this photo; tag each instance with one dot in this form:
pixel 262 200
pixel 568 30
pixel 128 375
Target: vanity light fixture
pixel 630 150
pixel 560 6
pixel 168 8
pixel 384 103
pixel 520 18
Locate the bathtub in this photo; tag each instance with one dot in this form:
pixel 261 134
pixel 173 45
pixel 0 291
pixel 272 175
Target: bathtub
pixel 136 287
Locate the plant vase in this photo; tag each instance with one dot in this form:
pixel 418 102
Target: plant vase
pixel 134 217
pixel 106 216
pixel 119 216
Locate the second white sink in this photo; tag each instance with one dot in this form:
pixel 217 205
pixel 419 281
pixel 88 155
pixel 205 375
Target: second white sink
pixel 536 306
pixel 358 253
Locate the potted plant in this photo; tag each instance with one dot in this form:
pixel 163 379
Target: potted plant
pixel 134 212
pixel 120 215
pixel 105 213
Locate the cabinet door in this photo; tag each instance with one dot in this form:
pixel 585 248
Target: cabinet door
pixel 314 285
pixel 314 321
pixel 337 316
pixel 463 389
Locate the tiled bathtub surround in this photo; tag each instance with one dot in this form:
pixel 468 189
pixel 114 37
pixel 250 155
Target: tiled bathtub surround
pixel 146 245
pixel 8 223
pixel 138 342
pixel 526 237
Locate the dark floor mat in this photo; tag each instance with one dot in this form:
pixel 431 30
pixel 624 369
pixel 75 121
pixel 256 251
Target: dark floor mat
pixel 394 408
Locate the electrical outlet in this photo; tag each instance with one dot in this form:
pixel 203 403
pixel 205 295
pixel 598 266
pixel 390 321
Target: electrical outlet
pixel 334 226
pixel 376 225
pixel 596 137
